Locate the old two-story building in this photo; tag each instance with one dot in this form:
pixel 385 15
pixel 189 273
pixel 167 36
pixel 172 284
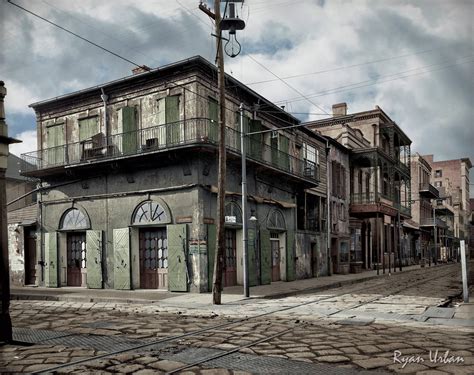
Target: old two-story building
pixel 128 175
pixel 379 188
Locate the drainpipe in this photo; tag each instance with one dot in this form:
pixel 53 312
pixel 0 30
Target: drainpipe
pixel 328 203
pixel 104 98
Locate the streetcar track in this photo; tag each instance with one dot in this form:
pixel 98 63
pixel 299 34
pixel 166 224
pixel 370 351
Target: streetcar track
pixel 199 331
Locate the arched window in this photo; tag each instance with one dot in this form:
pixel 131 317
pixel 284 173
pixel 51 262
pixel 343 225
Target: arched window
pixel 276 220
pixel 74 219
pixel 150 212
pixel 233 214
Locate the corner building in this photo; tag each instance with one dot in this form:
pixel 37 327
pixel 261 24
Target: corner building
pixel 128 172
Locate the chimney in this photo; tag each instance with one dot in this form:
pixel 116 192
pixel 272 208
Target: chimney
pixel 339 109
pixel 141 69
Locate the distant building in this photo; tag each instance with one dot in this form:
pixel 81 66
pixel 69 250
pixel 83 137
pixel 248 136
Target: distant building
pixel 21 218
pixel 379 188
pixel 471 229
pixel 451 178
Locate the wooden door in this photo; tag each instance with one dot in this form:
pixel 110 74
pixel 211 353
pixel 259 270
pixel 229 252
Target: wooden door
pixel 153 254
pixel 230 271
pixel 30 256
pixel 275 246
pixel 314 259
pixel 76 257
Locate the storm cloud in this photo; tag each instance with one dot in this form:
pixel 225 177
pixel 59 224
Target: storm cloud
pixel 412 58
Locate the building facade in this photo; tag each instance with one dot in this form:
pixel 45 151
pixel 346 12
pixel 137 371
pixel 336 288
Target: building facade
pixel 380 188
pixel 128 175
pixel 451 177
pixel 21 218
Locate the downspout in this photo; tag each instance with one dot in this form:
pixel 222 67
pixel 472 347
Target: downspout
pixel 328 202
pixel 104 98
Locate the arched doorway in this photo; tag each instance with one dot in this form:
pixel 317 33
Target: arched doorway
pixel 75 223
pixel 151 218
pixel 277 227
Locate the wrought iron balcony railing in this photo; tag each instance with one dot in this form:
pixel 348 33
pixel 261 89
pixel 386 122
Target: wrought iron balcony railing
pixel 428 190
pixel 430 222
pixel 198 131
pixel 372 198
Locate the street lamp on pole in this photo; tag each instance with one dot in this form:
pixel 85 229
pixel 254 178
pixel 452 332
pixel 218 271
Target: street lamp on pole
pixel 244 203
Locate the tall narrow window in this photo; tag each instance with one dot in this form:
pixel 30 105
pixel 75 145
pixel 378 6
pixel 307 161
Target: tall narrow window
pixel 55 155
pixel 88 127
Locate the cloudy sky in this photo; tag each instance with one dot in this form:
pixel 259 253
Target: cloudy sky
pixel 415 59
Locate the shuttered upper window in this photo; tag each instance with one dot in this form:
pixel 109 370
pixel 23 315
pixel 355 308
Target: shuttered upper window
pixel 88 127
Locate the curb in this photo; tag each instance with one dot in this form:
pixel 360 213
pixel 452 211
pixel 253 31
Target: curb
pixel 15 296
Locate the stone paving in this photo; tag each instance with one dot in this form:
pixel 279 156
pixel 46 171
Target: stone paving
pixel 313 336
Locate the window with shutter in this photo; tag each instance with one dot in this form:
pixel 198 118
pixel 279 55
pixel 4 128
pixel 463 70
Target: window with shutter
pixel 88 127
pixel 54 139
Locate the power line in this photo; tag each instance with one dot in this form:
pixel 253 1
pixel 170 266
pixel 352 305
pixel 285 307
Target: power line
pixel 76 35
pixel 375 81
pixel 287 84
pixel 345 67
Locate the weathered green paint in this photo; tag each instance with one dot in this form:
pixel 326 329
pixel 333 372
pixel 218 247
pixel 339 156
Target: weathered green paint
pixel 255 140
pixel 266 257
pixel 252 258
pixel 284 152
pixel 290 255
pixel 88 127
pixel 54 139
pixel 122 275
pixel 172 118
pixel 177 258
pixel 129 130
pixel 51 260
pixel 213 119
pixel 94 259
pixel 211 253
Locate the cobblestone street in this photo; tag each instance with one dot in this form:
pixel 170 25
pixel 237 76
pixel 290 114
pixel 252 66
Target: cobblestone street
pixel 374 326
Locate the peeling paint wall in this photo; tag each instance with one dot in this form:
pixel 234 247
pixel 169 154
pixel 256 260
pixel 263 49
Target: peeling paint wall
pixel 16 254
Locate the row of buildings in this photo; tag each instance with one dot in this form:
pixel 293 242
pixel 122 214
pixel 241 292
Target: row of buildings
pixel 126 189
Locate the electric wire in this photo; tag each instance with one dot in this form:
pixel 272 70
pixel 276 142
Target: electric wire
pixel 76 35
pixel 287 84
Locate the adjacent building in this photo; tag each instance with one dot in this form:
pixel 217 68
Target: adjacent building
pixel 128 176
pixel 451 178
pixel 21 219
pixel 380 187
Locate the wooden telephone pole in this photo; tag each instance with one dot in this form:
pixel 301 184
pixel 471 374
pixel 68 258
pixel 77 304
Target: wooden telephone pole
pixel 219 255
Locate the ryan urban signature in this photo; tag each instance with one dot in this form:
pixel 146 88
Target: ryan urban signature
pixel 433 357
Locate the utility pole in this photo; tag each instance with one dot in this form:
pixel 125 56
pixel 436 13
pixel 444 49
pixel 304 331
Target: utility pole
pixel 219 255
pixel 5 320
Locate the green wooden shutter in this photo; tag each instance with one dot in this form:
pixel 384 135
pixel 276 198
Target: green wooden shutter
pixel 213 119
pixel 54 139
pixel 129 127
pixel 88 127
pixel 94 259
pixel 275 152
pixel 290 255
pixel 255 140
pixel 211 253
pixel 177 259
pixel 51 260
pixel 122 276
pixel 252 258
pixel 266 257
pixel 284 147
pixel 235 135
pixel 172 118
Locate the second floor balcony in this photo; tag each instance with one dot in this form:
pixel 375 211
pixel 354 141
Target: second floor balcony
pixel 191 133
pixel 370 203
pixel 431 222
pixel 428 190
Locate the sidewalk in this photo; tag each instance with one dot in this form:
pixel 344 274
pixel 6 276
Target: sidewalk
pixel 277 289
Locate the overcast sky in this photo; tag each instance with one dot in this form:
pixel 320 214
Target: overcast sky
pixel 412 58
